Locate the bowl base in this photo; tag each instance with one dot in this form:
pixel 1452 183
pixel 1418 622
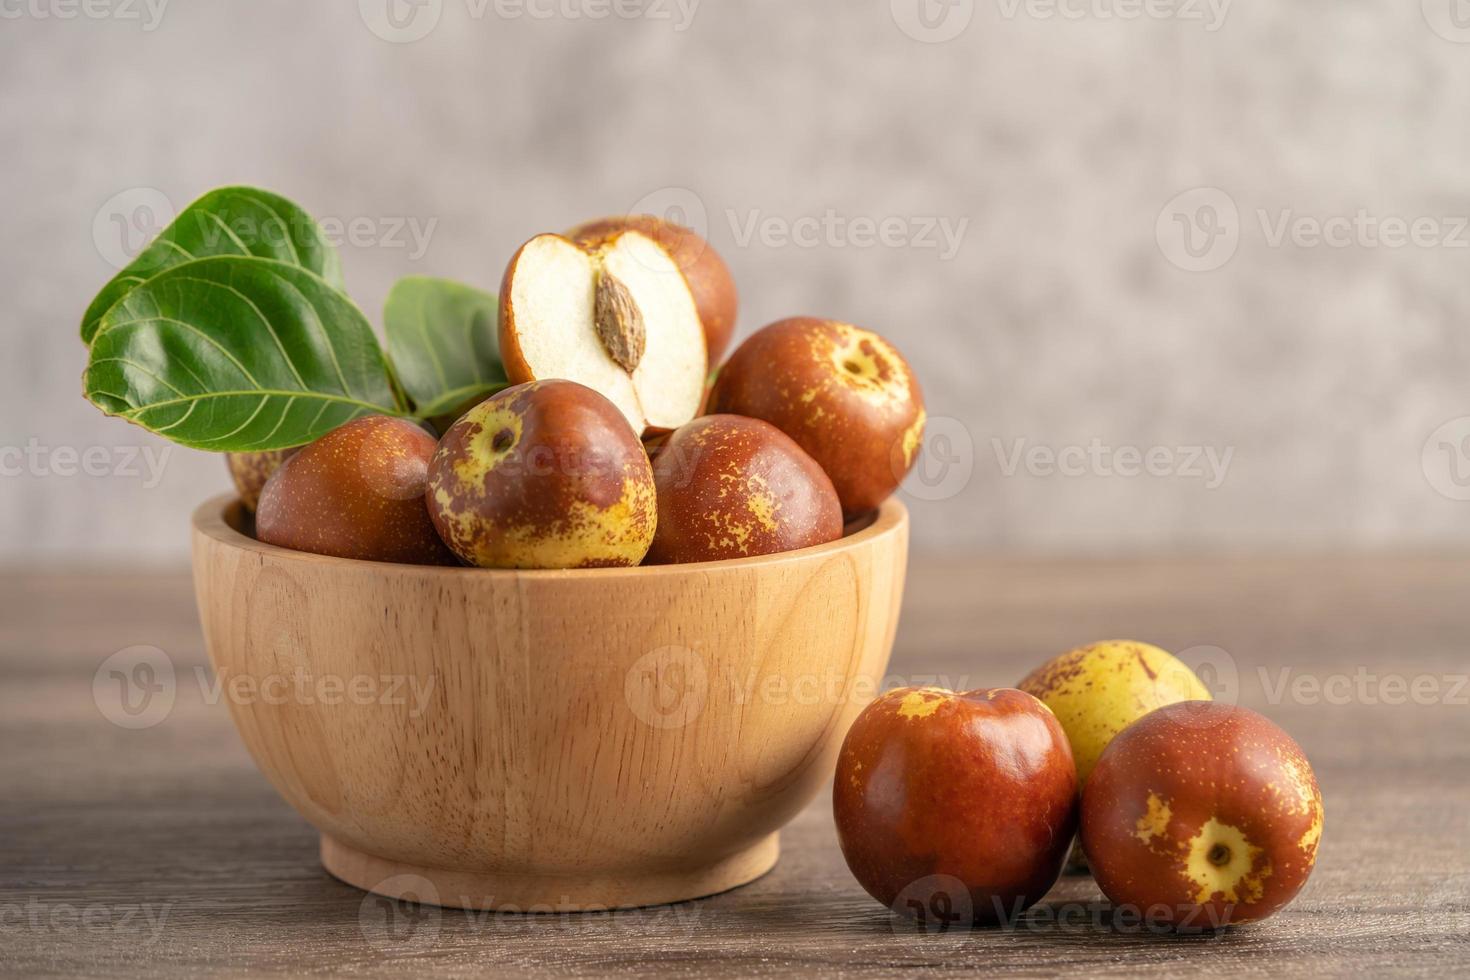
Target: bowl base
pixel 543 893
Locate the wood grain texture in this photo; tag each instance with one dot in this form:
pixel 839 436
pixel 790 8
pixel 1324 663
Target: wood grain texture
pixel 163 851
pixel 554 740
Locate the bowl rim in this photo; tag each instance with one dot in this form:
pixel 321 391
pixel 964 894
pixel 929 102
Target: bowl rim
pixel 209 521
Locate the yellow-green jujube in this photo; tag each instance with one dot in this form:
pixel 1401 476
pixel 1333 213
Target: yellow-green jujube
pixel 1098 690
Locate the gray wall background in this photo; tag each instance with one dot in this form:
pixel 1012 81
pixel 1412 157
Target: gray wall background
pixel 1057 138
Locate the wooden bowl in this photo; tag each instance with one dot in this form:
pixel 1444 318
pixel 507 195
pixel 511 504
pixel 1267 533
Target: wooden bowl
pixel 547 740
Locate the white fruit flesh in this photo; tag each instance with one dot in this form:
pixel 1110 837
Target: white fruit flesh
pixel 551 299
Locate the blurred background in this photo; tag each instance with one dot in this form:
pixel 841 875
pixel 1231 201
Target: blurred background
pixel 1185 276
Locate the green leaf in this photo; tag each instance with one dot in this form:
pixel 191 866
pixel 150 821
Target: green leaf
pixel 226 221
pixel 233 354
pixel 444 340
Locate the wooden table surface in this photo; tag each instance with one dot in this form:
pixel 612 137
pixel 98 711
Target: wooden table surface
pixel 161 851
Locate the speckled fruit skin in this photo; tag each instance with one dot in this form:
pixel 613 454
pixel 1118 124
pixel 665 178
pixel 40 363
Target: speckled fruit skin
pixel 732 487
pixel 1098 690
pixel 706 273
pixel 1201 815
pixel 251 470
pixel 843 393
pixel 357 492
pixel 934 786
pixel 546 474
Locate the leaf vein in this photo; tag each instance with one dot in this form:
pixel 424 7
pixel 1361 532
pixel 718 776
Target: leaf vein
pixel 265 320
pixel 339 399
pixel 144 370
pixel 325 334
pixel 285 410
pixel 181 419
pixel 423 320
pixel 264 399
pixel 285 228
pixel 244 249
pixel 159 317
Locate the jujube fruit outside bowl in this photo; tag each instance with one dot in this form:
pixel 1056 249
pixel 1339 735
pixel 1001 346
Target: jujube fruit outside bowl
pixel 548 740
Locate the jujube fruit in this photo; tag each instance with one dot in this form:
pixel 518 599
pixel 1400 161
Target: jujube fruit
pixel 357 492
pixel 1100 689
pixel 706 273
pixel 1200 815
pixel 543 475
pixel 732 487
pixel 843 393
pixel 250 471
pixel 951 802
pixel 618 318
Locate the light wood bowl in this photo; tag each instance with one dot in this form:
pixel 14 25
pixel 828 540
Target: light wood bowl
pixel 547 740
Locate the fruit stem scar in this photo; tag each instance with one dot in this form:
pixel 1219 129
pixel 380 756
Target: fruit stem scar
pixel 1221 860
pixel 502 440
